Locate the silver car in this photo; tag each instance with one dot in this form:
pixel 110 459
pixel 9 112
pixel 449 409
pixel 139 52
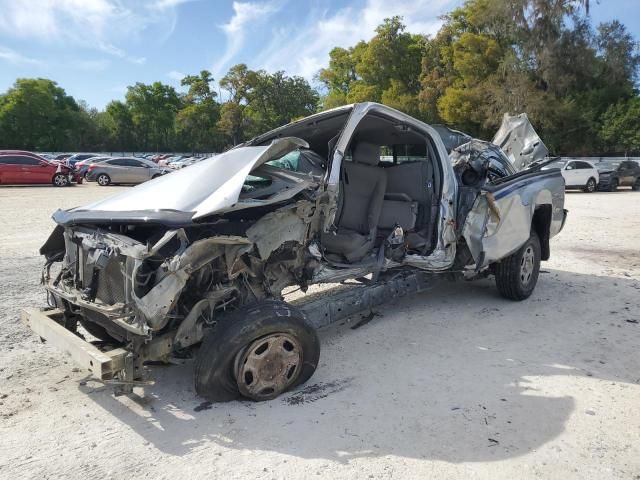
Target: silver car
pixel 124 170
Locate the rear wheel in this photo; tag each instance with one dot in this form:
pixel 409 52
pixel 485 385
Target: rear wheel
pixel 103 180
pixel 590 187
pixel 259 352
pixel 517 275
pixel 60 180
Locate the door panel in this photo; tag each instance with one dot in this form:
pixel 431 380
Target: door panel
pixel 571 174
pixel 43 173
pixel 13 173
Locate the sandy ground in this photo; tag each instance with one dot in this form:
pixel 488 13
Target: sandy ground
pixel 452 383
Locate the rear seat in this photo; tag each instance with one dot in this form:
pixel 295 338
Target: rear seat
pixel 407 200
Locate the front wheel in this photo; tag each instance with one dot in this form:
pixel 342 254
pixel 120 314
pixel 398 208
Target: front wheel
pixel 613 185
pixel 60 180
pixel 103 180
pixel 636 186
pixel 258 351
pixel 517 275
pixel 590 187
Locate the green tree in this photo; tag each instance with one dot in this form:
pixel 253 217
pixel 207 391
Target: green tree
pixel 385 69
pixel 36 114
pixel 119 122
pixel 153 110
pixel 621 126
pixel 259 101
pixel 196 122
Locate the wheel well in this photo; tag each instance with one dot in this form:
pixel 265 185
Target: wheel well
pixel 541 224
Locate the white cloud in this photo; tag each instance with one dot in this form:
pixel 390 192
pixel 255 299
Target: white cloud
pixel 15 58
pixel 100 25
pixel 304 50
pixel 175 75
pixel 244 15
pixel 164 4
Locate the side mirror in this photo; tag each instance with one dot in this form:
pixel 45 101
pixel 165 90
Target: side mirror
pixel 569 167
pixel 42 164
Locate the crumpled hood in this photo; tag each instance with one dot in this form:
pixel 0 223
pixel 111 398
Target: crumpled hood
pixel 519 141
pixel 204 188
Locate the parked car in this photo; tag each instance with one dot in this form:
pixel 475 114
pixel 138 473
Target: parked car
pixel 82 166
pixel 19 167
pixel 62 156
pixel 203 254
pixel 192 160
pixel 183 162
pixel 577 174
pixel 161 156
pixel 128 170
pixel 618 173
pixel 73 159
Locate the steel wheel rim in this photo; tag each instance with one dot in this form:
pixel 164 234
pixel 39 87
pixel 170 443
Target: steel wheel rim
pixel 102 180
pixel 268 366
pixel 60 181
pixel 526 265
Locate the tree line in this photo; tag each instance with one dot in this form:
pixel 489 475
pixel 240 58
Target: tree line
pixel 577 83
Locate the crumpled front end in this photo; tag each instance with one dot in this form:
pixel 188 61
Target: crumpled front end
pixel 145 280
pixel 129 285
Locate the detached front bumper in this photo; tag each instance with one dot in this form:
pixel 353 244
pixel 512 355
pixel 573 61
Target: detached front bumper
pixel 48 325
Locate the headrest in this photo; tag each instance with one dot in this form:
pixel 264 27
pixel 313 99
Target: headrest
pixel 366 153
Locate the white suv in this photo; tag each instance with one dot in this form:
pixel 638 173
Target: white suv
pixel 577 174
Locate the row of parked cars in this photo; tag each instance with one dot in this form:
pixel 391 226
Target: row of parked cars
pixel 22 167
pixel 606 175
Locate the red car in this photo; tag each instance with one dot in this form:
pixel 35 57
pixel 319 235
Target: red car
pixel 20 167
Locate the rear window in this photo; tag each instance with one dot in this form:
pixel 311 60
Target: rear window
pixel 403 153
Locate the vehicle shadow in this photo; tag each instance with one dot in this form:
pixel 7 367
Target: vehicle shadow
pixel 455 374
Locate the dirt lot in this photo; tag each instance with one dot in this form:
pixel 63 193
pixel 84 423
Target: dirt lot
pixel 452 383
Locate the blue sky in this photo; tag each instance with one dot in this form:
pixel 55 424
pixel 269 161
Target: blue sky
pixel 95 48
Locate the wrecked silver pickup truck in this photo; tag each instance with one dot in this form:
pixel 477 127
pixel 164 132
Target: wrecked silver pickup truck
pixel 361 193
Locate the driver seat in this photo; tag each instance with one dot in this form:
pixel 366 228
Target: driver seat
pixel 362 189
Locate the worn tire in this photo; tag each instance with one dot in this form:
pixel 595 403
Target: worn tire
pixel 591 185
pixel 509 271
pixel 103 179
pixel 60 180
pixel 215 378
pixel 613 185
pixel 96 330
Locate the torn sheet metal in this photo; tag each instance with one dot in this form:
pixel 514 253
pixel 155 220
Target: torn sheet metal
pixel 274 229
pixel 519 141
